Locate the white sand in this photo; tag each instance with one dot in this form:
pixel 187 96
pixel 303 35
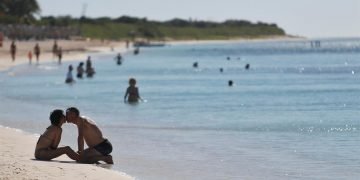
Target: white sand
pixel 17 162
pixel 72 50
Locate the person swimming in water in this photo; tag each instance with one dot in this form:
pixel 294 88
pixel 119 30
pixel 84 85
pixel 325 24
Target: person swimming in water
pixel 118 59
pixel 230 83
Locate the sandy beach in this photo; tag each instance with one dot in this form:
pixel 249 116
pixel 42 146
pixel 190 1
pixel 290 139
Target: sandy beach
pixel 17 161
pixel 72 50
pixel 17 148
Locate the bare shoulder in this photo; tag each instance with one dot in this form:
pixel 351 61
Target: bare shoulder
pixel 54 128
pixel 88 121
pixel 52 131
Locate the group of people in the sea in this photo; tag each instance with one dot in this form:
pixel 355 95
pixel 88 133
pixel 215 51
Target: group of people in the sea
pixel 89 69
pixel 80 71
pixel 99 148
pixel 230 82
pixel 132 92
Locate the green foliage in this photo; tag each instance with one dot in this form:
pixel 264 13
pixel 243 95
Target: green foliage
pixel 127 27
pixel 58 21
pixel 22 10
pixel 130 27
pixel 107 30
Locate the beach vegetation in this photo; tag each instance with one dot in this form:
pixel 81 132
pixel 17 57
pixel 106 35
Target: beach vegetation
pixel 19 11
pixel 127 27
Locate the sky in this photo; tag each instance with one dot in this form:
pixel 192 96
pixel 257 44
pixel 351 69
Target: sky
pixel 308 18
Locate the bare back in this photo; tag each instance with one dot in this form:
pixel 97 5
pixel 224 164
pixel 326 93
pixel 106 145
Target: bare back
pixel 49 139
pixel 91 132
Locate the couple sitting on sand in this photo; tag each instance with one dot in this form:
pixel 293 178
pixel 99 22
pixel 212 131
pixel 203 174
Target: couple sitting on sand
pixel 99 147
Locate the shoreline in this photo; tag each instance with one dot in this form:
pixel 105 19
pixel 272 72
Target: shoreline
pixel 235 40
pixel 22 158
pixel 72 50
pixel 77 50
pixel 18 161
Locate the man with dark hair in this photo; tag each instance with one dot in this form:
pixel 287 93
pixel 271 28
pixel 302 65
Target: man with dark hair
pixel 99 148
pixel 47 145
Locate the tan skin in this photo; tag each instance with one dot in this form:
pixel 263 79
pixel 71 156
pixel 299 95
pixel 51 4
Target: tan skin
pixel 91 135
pixel 47 146
pixel 132 93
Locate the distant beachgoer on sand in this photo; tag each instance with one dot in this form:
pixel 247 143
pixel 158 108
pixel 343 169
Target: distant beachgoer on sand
pixel 37 52
pixel 247 66
pixel 99 148
pixel 55 49
pixel 118 59
pixel 90 71
pixel 30 57
pixel 69 77
pixel 13 50
pixel 132 92
pixel 127 44
pixel 59 54
pixel 47 145
pixel 80 70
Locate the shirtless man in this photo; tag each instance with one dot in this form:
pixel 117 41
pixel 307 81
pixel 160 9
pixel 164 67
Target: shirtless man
pixel 99 147
pixel 47 145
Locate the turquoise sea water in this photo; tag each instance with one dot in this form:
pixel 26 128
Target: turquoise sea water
pixel 293 115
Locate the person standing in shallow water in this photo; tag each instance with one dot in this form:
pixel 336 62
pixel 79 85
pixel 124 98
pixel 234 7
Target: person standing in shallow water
pixel 69 77
pixel 230 83
pixel 118 59
pixel 80 70
pixel 89 69
pixel 132 92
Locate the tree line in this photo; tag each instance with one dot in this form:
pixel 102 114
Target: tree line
pixel 25 11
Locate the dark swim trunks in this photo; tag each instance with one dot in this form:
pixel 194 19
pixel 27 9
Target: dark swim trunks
pixel 105 148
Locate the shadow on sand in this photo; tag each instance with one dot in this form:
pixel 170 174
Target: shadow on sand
pixel 105 166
